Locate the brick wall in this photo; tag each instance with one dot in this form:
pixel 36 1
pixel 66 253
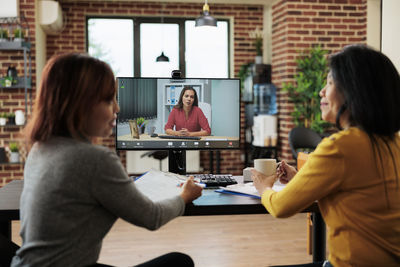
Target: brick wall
pixel 246 18
pixel 296 25
pixel 300 24
pixel 14 99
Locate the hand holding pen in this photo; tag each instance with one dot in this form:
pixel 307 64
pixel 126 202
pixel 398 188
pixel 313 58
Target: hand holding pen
pixel 285 172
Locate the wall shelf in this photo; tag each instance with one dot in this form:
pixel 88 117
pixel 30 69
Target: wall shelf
pixel 11 125
pixel 12 163
pixel 21 84
pixel 13 45
pixel 24 82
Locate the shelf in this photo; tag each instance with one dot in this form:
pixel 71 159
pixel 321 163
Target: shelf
pixel 11 45
pixel 11 125
pixel 11 163
pixel 19 85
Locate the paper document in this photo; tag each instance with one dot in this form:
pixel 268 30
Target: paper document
pixel 249 188
pixel 158 185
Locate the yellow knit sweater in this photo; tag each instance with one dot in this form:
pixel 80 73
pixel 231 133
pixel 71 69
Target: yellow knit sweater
pixel 358 195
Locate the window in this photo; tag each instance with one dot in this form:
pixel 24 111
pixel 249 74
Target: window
pixel 207 50
pixel 111 40
pixel 156 38
pixel 131 46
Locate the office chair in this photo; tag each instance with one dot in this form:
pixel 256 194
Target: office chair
pixel 159 154
pixel 8 249
pixel 305 139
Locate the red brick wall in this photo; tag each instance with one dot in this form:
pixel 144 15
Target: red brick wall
pixel 246 18
pixel 14 99
pixel 300 24
pixel 296 25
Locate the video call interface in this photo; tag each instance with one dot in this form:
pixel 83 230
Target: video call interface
pixel 146 105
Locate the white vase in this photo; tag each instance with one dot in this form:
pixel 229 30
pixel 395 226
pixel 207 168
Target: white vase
pixel 3 121
pixel 19 117
pixel 14 157
pixel 258 59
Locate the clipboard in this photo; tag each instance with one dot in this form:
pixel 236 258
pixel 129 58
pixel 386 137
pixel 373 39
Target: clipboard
pixel 158 185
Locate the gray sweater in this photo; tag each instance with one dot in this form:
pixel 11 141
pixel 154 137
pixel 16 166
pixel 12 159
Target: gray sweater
pixel 73 193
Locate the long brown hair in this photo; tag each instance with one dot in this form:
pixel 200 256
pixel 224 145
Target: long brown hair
pixel 71 85
pixel 180 103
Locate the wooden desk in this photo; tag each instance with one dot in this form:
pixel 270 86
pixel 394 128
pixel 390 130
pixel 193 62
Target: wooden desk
pixel 210 203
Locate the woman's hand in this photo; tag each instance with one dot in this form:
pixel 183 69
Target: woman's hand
pixel 183 132
pixel 261 181
pixel 285 172
pixel 190 191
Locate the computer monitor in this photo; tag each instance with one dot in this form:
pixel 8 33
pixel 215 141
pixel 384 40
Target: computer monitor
pixel 153 99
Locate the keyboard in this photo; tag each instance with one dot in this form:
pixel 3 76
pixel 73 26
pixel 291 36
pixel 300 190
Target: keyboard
pixel 214 180
pixel 180 137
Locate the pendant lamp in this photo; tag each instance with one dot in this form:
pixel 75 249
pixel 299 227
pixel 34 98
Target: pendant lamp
pixel 162 58
pixel 205 19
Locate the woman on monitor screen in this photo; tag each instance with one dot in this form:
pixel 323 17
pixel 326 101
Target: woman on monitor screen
pixel 187 117
pixel 354 174
pixel 74 190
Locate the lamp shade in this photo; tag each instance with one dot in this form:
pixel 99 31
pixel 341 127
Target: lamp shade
pixel 206 19
pixel 162 58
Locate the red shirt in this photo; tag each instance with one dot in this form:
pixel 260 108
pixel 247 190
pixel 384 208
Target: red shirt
pixel 195 122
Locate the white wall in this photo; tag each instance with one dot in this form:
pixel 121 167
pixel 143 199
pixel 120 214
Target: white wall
pixel 391 31
pixel 138 165
pixel 374 24
pixel 9 8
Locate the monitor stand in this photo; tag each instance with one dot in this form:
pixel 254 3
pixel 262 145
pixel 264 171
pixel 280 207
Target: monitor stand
pixel 177 158
pixel 177 161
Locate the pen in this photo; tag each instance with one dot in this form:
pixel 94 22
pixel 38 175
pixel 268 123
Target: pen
pixel 199 184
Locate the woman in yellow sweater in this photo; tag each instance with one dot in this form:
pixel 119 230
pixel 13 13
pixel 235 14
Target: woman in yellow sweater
pixel 354 174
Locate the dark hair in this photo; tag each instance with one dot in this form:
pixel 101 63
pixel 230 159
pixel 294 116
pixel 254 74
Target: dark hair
pixel 71 85
pixel 196 99
pixel 370 84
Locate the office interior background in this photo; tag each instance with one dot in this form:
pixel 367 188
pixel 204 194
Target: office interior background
pixel 287 27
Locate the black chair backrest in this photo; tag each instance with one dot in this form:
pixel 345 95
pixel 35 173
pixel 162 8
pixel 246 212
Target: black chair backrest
pixel 303 138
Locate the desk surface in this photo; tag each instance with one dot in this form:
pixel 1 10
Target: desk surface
pixel 210 203
pixel 9 200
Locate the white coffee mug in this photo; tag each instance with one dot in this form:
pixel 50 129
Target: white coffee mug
pixel 265 166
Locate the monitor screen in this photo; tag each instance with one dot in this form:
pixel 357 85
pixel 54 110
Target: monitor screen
pixel 152 117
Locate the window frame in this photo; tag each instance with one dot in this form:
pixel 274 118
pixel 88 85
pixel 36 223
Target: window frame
pixel 137 20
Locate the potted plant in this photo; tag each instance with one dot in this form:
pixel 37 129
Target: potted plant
pixel 141 123
pixel 258 35
pixel 14 156
pixel 19 34
pixel 11 118
pixel 3 35
pixel 243 74
pixel 304 93
pixel 3 118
